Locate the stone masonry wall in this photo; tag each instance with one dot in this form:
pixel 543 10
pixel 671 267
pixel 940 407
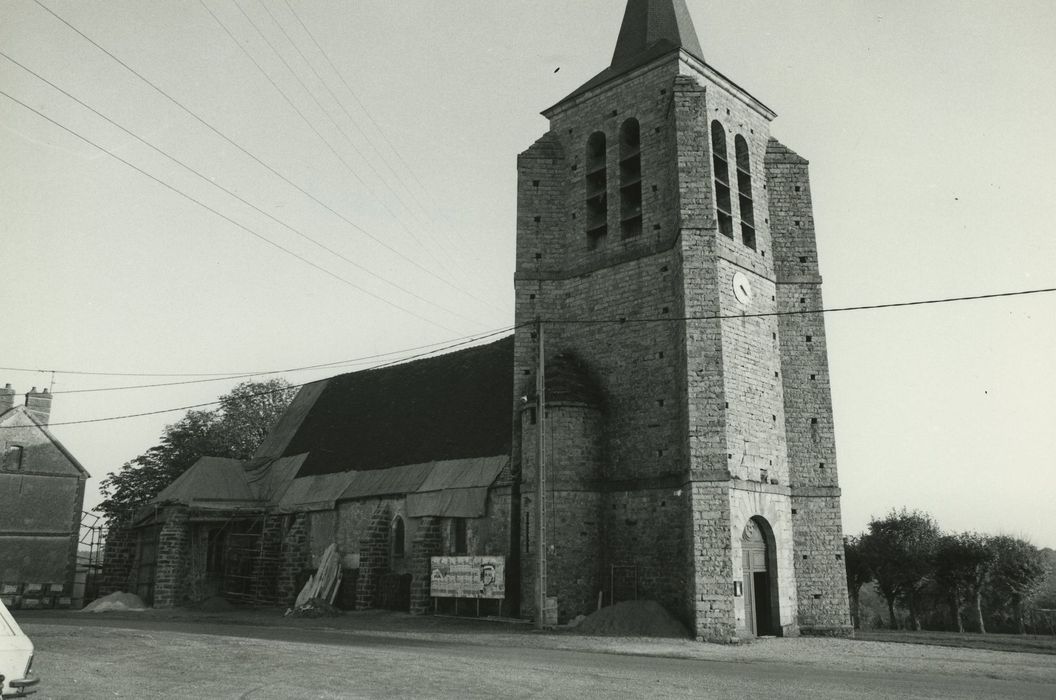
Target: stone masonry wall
pixel 575 549
pixel 428 543
pixel 173 558
pixel 119 556
pixel 820 569
pixel 373 556
pixel 296 557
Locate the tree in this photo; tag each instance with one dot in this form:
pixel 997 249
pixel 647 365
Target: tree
pixel 899 550
pixel 859 573
pixel 962 565
pixel 235 430
pixel 1018 570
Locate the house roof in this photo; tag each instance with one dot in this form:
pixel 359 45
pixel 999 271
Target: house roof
pixel 453 406
pixel 19 417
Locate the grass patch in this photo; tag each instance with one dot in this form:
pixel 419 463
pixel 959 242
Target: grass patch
pixel 1027 643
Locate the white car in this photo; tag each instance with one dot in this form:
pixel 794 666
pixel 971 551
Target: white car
pixel 16 658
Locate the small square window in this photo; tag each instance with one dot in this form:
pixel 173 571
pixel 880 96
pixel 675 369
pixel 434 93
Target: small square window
pixel 13 458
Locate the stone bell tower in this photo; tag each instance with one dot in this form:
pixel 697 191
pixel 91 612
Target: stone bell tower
pixel 661 233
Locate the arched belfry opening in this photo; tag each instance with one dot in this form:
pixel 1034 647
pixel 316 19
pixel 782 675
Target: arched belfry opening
pixel 759 568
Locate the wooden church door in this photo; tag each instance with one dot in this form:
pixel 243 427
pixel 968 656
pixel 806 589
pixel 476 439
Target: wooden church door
pixel 758 616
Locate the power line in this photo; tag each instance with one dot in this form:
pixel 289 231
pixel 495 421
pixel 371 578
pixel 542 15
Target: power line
pixel 212 182
pixel 352 92
pixel 352 120
pixel 304 118
pixel 258 394
pixel 246 152
pixel 311 126
pixel 801 312
pixel 233 375
pixel 325 141
pixel 225 217
pixel 469 339
pixel 291 42
pixel 328 365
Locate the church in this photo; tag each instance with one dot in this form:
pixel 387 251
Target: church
pixel 675 445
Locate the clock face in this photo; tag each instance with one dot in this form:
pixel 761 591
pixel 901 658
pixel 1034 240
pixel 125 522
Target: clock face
pixel 742 288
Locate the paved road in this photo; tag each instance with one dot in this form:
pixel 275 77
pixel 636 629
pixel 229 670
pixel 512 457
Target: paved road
pixel 167 659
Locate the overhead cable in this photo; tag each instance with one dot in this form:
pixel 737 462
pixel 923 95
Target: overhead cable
pixel 227 218
pixel 214 183
pixel 252 395
pixel 249 154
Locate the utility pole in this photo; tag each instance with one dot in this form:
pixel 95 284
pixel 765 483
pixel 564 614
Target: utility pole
pixel 540 429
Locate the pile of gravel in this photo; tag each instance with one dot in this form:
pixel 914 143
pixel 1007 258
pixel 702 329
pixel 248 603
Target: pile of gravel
pixel 115 602
pixel 639 618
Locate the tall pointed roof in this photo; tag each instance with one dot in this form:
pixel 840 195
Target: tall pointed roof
pixel 651 29
pixel 647 23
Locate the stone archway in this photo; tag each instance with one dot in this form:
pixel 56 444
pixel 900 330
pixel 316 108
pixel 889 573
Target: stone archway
pixel 759 569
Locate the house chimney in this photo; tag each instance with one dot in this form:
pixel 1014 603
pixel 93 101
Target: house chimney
pixel 38 403
pixel 7 399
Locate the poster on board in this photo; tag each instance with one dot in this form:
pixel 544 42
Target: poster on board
pixel 468 577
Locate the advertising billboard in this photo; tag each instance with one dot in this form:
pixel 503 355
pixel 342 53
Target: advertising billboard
pixel 468 577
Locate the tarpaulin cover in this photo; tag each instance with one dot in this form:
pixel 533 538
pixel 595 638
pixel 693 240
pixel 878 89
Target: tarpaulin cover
pixel 451 406
pixel 319 492
pixel 464 473
pixel 456 488
pixel 269 478
pixel 211 480
pixel 449 503
pixel 387 482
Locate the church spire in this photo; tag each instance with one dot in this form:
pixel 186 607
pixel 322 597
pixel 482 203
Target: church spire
pixel 651 29
pixel 652 26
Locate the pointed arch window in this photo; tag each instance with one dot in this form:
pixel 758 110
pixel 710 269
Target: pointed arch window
pixel 744 191
pixel 630 179
pixel 597 188
pixel 721 174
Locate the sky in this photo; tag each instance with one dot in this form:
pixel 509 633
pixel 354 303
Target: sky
pixel 368 153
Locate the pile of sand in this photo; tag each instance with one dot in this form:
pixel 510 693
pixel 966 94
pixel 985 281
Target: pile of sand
pixel 116 602
pixel 639 618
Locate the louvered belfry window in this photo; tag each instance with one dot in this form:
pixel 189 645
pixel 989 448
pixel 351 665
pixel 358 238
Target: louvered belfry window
pixel 721 173
pixel 744 191
pixel 597 188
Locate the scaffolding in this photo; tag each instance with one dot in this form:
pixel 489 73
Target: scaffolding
pixel 250 567
pixel 91 551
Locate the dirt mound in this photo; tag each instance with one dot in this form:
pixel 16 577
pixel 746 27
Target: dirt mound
pixel 639 618
pixel 115 602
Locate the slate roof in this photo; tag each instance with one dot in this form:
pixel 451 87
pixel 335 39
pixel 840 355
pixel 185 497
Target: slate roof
pixel 454 406
pixel 650 29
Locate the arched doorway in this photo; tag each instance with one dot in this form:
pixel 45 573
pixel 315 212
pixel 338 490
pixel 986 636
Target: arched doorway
pixel 760 580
